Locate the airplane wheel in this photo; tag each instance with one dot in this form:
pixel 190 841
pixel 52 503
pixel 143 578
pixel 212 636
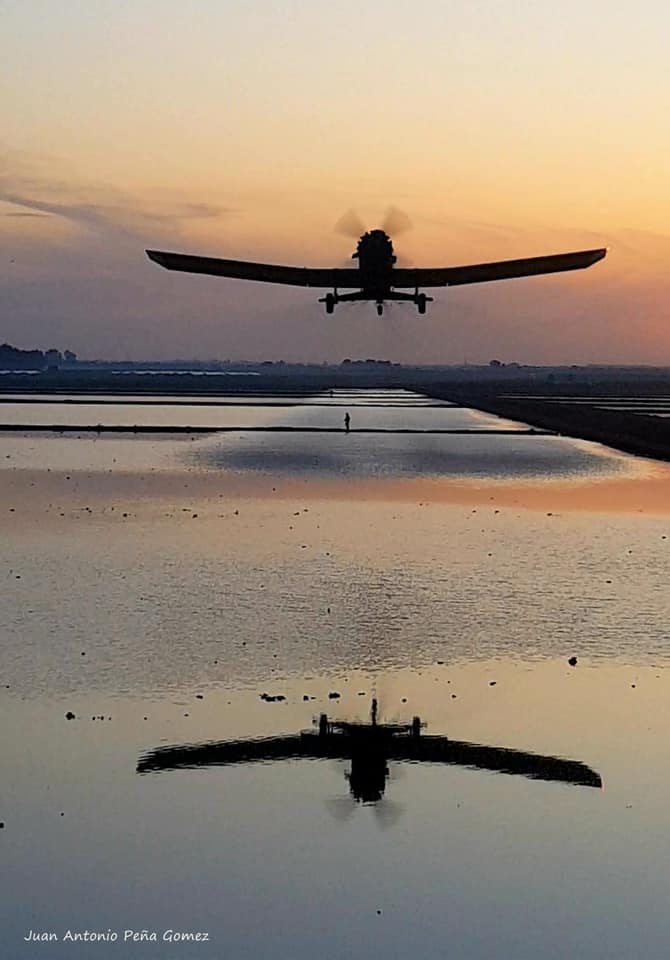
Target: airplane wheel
pixel 330 303
pixel 421 304
pixel 380 309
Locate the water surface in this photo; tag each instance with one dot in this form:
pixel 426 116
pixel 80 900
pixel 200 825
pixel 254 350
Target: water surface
pixel 165 585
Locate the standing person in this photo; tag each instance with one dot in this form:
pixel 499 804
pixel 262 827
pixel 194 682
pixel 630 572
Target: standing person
pixel 347 421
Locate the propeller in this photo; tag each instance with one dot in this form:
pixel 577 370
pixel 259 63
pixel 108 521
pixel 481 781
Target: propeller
pixel 350 225
pixel 341 808
pixel 394 223
pixel 385 812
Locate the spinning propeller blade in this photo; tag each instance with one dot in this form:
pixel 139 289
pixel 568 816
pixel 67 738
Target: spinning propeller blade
pixel 350 225
pixel 396 222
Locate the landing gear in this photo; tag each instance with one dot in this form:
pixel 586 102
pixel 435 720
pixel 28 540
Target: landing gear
pixel 420 299
pixel 378 295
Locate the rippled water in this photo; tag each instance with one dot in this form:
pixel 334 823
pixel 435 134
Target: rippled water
pixel 168 595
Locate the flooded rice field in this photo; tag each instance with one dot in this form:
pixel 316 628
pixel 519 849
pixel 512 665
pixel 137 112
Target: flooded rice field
pixel 176 609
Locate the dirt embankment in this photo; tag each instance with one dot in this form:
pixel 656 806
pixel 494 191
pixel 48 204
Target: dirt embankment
pixel 637 433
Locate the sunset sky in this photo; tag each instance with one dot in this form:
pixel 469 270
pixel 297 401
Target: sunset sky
pixel 246 128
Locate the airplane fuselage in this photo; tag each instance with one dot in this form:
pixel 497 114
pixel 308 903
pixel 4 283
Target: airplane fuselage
pixel 376 260
pixel 375 263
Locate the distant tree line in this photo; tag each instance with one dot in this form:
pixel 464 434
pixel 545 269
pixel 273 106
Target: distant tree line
pixel 12 358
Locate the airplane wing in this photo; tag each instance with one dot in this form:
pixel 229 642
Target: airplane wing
pixel 265 272
pixel 307 746
pixel 499 270
pixel 423 749
pixel 426 749
pixel 222 753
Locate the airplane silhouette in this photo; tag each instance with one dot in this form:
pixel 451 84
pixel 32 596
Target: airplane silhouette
pixel 376 277
pixel 369 747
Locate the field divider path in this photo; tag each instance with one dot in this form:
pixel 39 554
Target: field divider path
pixel 155 428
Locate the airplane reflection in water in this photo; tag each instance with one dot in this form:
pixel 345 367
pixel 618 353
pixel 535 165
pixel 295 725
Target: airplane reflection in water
pixel 369 747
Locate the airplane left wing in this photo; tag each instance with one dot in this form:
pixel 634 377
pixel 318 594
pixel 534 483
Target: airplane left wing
pixel 263 272
pixel 223 753
pixel 498 270
pixel 306 746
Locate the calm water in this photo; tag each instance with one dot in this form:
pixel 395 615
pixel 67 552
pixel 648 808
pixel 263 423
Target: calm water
pixel 168 594
pixel 382 410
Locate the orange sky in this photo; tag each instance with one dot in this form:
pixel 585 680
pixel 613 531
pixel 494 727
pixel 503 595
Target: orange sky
pixel 246 129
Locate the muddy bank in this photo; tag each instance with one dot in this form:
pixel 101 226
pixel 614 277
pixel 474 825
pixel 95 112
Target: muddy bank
pixel 637 433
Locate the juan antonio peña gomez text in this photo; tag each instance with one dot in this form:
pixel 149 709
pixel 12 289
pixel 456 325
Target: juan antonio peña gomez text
pixel 111 936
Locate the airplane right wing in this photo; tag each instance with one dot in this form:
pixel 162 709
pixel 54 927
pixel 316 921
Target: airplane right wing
pixel 498 270
pixel 346 277
pixel 428 749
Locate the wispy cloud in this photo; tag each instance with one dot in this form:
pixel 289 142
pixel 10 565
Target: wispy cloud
pixel 25 214
pixel 96 207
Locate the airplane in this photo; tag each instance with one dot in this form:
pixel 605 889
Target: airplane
pixel 376 277
pixel 369 747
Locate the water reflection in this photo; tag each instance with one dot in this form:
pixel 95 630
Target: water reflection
pixel 369 747
pixel 383 456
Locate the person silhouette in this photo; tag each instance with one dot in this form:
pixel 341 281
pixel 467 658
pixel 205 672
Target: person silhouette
pixel 347 421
